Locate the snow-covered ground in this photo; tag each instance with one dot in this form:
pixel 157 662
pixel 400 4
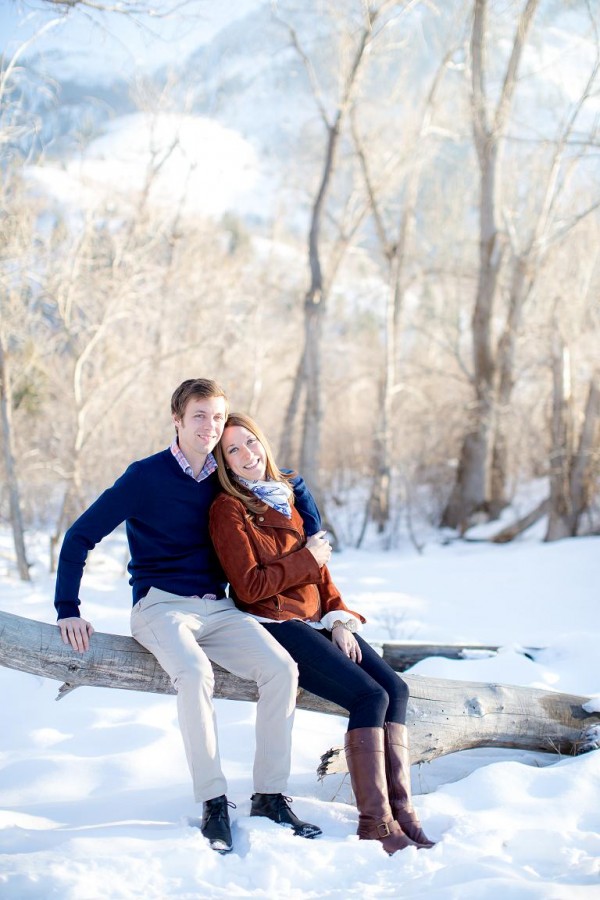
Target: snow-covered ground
pixel 95 798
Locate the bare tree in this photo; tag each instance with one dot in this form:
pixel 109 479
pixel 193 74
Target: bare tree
pixel 552 225
pixel 154 8
pixel 16 519
pixel 471 490
pixel 571 455
pixel 308 380
pixel 127 295
pixel 14 127
pixel 393 239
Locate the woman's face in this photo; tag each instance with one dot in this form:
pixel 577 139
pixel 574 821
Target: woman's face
pixel 244 453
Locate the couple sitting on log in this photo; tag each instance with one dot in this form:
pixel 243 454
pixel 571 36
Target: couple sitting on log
pixel 198 519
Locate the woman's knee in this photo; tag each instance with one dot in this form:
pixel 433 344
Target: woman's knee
pixel 398 702
pixel 399 689
pixel 369 708
pixel 380 699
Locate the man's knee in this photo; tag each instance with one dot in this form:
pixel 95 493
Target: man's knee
pixel 281 669
pixel 197 676
pixel 290 667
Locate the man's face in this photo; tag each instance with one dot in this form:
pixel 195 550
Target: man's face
pixel 201 426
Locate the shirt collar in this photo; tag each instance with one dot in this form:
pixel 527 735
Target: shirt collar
pixel 210 463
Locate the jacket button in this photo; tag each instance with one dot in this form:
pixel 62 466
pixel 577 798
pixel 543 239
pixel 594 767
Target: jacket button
pixel 261 518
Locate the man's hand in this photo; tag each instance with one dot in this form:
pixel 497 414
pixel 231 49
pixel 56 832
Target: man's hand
pixel 76 632
pixel 320 547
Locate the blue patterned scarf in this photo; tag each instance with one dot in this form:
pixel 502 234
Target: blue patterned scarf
pixel 274 493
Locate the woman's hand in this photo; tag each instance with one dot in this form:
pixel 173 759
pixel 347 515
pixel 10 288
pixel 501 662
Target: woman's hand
pixel 320 547
pixel 346 642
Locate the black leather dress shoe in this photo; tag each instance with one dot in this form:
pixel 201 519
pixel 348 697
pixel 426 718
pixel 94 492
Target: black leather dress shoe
pixel 276 807
pixel 215 826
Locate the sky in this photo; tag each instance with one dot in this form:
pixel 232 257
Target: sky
pixel 109 43
pixel 96 802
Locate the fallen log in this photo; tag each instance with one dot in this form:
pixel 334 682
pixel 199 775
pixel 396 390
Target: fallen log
pixel 510 532
pixel 402 655
pixel 113 661
pixel 444 716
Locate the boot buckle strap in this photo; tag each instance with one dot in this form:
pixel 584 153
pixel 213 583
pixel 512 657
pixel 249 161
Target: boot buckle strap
pixel 383 830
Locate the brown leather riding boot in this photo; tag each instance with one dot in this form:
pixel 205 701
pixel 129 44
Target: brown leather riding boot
pixel 397 767
pixel 365 756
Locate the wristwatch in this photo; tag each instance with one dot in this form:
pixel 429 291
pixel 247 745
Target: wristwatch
pixel 349 625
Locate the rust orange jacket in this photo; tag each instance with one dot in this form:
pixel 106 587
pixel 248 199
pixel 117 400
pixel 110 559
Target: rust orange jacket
pixel 267 564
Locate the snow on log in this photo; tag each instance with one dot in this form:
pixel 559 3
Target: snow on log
pixel 443 715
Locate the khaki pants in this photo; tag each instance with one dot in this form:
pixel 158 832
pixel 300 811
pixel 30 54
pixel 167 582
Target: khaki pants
pixel 184 633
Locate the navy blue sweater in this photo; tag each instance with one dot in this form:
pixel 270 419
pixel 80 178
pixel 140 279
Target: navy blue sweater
pixel 166 516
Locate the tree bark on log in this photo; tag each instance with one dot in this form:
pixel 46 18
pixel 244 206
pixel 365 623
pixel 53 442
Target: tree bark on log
pixel 443 716
pixel 446 716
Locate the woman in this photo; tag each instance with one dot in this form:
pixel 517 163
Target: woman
pixel 281 578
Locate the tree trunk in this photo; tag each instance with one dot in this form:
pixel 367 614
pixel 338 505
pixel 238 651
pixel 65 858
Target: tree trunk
pixel 569 469
pixel 16 520
pixel 470 489
pixel 559 525
pixel 520 288
pixel 384 443
pixel 580 468
pixel 444 716
pixel 499 465
pixel 525 267
pixel 393 245
pixel 308 376
pixel 471 493
pixel 64 517
pixel 286 440
pixel 310 447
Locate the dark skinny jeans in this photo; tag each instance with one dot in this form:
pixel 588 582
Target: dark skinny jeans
pixel 371 691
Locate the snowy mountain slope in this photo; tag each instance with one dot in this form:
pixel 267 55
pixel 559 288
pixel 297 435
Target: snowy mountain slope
pixel 248 79
pixel 188 161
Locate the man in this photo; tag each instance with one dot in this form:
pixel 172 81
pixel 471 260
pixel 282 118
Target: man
pixel 181 612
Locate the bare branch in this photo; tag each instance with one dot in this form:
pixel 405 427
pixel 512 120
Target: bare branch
pixel 510 78
pixel 306 62
pixel 160 10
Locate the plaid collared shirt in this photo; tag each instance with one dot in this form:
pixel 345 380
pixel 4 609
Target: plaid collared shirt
pixel 210 464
